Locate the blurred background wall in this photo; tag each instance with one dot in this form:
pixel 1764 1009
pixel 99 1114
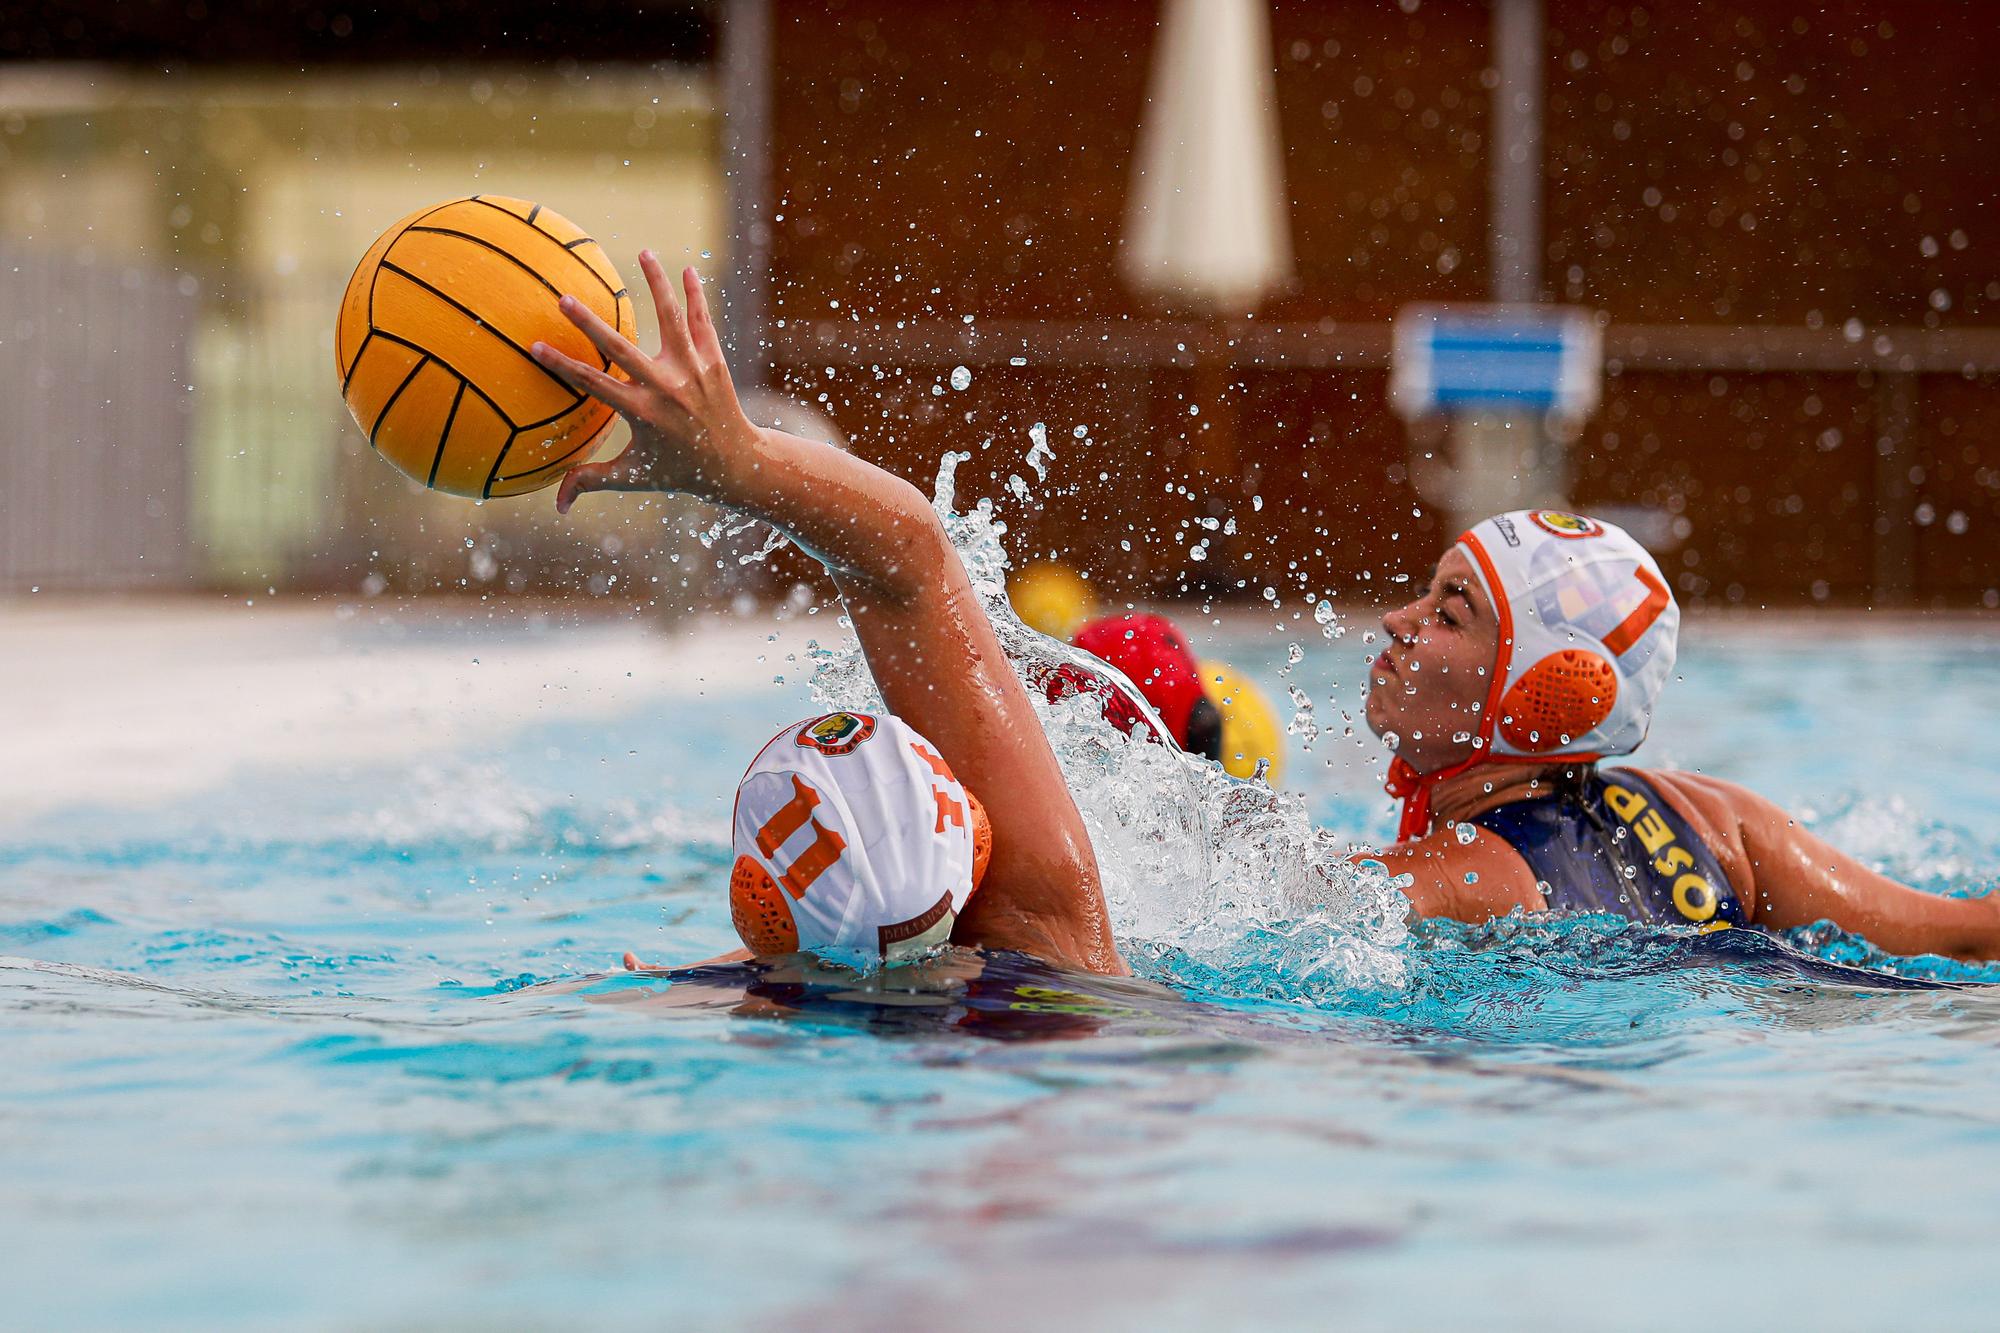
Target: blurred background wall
pixel 1785 221
pixel 243 161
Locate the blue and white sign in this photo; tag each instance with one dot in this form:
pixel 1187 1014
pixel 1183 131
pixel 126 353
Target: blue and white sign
pixel 1463 358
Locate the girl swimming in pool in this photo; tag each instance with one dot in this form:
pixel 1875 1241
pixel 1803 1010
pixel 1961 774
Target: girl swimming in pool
pixel 928 643
pixel 1540 647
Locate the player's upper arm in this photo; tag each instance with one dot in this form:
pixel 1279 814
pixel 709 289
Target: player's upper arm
pixel 1465 881
pixel 1741 827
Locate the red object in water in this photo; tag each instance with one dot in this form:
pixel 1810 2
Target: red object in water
pixel 1153 653
pixel 1119 710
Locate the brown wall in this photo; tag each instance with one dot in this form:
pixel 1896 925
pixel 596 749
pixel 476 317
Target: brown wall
pixel 1801 160
pixel 1958 493
pixel 1000 130
pixel 933 161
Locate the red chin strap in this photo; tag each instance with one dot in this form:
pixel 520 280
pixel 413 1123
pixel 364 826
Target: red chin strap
pixel 1414 789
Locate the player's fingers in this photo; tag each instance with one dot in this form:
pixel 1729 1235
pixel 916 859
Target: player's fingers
pixel 619 395
pixel 674 346
pixel 615 346
pixel 623 473
pixel 616 394
pixel 575 482
pixel 631 961
pixel 701 327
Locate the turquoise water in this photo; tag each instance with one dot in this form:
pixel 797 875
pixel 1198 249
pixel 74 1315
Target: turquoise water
pixel 311 1048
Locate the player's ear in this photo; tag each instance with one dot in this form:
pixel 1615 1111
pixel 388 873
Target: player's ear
pixel 1204 730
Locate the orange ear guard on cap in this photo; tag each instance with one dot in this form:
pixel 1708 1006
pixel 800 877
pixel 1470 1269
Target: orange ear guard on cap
pixel 982 839
pixel 1561 697
pixel 759 912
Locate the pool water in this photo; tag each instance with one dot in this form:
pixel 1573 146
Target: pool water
pixel 319 1046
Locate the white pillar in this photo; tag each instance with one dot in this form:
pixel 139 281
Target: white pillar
pixel 1515 156
pixel 1207 221
pixel 747 72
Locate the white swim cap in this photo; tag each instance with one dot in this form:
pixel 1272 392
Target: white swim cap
pixel 852 837
pixel 1588 631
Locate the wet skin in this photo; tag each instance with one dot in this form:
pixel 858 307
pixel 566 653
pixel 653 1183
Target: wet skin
pixel 1428 689
pixel 932 652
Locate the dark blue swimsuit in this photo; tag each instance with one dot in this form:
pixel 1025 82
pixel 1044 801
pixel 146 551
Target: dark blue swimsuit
pixel 1612 844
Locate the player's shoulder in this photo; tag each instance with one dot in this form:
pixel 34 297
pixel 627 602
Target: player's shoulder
pixel 1463 871
pixel 1728 816
pixel 1704 798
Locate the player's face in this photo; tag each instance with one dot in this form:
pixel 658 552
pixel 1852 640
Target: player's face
pixel 1430 684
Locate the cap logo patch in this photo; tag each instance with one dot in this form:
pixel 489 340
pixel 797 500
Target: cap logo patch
pixel 915 926
pixel 837 733
pixel 1557 523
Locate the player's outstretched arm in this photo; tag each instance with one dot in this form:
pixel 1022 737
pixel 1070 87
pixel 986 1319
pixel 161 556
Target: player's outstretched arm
pixel 933 652
pixel 1798 878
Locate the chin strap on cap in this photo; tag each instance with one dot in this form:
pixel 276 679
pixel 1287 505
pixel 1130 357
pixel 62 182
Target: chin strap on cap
pixel 1414 790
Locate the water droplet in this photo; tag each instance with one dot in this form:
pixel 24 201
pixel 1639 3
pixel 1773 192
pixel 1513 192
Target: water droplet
pixel 1039 452
pixel 1302 724
pixel 961 377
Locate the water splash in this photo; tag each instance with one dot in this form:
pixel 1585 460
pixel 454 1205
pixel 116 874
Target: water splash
pixel 1203 873
pixel 1302 724
pixel 1825 940
pixel 1328 621
pixel 730 530
pixel 457 804
pixel 1885 832
pixel 1040 455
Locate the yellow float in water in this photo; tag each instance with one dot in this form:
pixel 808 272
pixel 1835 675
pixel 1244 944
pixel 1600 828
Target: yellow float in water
pixel 1051 598
pixel 1250 730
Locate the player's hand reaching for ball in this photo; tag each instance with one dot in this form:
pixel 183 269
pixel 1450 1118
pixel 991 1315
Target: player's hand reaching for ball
pixel 688 430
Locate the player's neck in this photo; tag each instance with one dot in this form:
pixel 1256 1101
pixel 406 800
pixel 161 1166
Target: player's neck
pixel 1490 786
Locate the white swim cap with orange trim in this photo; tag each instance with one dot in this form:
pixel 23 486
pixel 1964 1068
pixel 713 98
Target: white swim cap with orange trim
pixel 852 837
pixel 1588 634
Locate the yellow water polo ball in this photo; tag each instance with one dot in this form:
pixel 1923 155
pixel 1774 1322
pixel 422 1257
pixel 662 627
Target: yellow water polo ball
pixel 431 344
pixel 1051 598
pixel 1250 729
